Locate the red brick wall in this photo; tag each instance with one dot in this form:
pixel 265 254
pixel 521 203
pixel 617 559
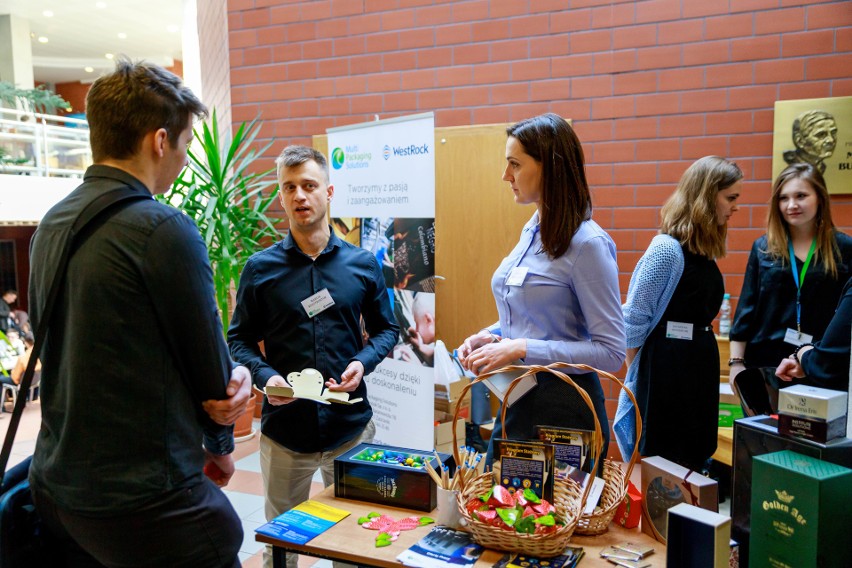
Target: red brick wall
pixel 651 85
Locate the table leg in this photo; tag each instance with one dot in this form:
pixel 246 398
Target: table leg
pixel 279 557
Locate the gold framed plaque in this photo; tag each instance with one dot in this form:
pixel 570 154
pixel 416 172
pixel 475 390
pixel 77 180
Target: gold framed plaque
pixel 817 131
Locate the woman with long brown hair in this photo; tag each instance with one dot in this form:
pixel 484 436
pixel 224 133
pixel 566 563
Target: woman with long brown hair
pixel 674 294
pixel 557 292
pixel 795 273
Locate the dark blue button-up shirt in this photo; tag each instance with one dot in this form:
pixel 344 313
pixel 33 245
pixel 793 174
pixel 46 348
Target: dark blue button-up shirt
pixel 269 308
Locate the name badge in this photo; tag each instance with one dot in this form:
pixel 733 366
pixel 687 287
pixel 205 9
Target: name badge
pixel 317 303
pixel 793 337
pixel 517 276
pixel 678 330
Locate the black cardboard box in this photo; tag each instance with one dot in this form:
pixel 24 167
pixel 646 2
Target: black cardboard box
pixel 387 483
pixel 759 435
pixel 697 538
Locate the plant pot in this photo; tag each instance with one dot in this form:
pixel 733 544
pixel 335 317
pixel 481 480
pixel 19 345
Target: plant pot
pixel 243 429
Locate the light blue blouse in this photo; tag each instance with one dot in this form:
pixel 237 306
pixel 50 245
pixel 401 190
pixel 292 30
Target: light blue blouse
pixel 568 308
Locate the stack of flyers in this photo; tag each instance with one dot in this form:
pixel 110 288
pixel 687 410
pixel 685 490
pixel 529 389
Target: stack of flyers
pixel 442 547
pixel 569 559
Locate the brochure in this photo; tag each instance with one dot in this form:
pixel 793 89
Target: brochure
pixel 572 448
pixel 303 522
pixel 569 559
pixel 443 546
pixel 524 465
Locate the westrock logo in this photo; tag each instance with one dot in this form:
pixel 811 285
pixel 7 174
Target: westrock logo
pixel 403 151
pixel 350 158
pixel 337 158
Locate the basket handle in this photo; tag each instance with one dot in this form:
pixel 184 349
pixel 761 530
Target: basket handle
pixel 532 370
pixel 635 456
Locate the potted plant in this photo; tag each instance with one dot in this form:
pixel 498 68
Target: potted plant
pixel 40 99
pixel 228 201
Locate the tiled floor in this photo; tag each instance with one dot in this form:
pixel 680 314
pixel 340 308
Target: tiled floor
pixel 245 489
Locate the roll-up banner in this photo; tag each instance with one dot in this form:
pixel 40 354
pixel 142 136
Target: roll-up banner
pixel 383 174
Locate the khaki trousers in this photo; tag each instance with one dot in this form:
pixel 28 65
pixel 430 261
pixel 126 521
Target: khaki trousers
pixel 287 478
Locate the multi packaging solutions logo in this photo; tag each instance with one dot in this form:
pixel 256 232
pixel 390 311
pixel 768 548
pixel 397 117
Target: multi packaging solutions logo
pixel 403 151
pixel 350 158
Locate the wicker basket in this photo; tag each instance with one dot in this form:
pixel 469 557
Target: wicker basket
pixel 568 499
pixel 615 479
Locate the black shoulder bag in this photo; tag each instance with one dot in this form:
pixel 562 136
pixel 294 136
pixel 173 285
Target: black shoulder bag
pixel 23 539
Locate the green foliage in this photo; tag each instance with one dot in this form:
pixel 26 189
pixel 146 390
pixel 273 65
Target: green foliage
pixel 227 201
pixel 40 99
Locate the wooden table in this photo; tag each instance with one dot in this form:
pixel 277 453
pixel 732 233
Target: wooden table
pixel 347 541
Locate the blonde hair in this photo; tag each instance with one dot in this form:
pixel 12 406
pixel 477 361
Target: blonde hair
pixel 777 229
pixel 689 215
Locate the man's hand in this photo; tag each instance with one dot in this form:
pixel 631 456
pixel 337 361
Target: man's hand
pixel 493 356
pixel 349 380
pixel 278 381
pixel 227 411
pixel 219 469
pixel 789 369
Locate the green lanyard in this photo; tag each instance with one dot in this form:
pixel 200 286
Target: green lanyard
pixel 799 279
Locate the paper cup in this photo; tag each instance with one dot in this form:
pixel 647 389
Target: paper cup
pixel 448 509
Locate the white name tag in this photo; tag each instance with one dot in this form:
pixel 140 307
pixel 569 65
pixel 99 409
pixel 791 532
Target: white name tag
pixel 678 330
pixel 317 303
pixel 793 337
pixel 517 276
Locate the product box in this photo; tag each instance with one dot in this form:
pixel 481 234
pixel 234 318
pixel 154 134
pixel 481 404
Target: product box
pixel 444 432
pixel 373 472
pixel 812 428
pixel 812 402
pixel 759 435
pixel 800 512
pixel 629 512
pixel 664 485
pixel 447 397
pixel 697 538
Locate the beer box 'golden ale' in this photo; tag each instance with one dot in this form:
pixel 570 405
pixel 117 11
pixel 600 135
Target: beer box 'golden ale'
pixel 800 508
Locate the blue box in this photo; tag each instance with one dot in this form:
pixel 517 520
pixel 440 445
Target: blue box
pixel 357 477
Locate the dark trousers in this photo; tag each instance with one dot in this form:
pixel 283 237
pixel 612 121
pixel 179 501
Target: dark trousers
pixel 193 527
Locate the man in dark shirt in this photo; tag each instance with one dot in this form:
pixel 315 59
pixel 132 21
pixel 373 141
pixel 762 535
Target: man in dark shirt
pixel 304 298
pixel 135 370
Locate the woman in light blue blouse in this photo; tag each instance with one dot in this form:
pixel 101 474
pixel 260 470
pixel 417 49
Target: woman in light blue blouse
pixel 557 291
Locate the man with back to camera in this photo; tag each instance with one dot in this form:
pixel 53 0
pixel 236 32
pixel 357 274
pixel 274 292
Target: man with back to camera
pixel 135 368
pixel 310 266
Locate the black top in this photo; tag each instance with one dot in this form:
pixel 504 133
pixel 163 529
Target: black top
pixel 135 345
pixel 678 383
pixel 827 364
pixel 767 304
pixel 269 308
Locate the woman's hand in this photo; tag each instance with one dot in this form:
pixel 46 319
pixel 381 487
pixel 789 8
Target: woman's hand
pixel 473 343
pixel 492 356
pixel 789 369
pixel 733 371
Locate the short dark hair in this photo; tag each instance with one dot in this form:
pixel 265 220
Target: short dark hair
pixel 135 99
pixel 565 198
pixel 295 155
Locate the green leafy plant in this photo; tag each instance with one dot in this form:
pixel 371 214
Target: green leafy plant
pixel 40 99
pixel 227 200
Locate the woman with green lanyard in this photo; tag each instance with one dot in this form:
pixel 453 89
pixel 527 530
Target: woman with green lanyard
pixel 786 304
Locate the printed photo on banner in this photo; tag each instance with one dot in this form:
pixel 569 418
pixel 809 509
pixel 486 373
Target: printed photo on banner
pixel 348 229
pixel 415 314
pixel 414 254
